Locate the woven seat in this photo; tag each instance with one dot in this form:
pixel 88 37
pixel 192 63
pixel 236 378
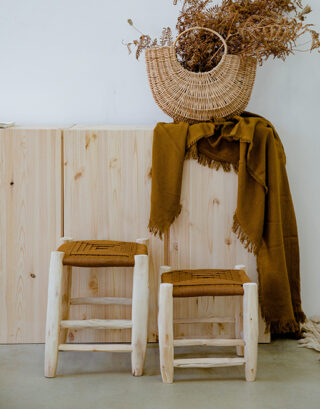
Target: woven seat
pixel 101 253
pixel 196 283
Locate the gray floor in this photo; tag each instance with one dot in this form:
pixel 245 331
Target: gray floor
pixel 288 377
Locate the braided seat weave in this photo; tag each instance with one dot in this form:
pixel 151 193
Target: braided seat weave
pixel 211 282
pixel 101 253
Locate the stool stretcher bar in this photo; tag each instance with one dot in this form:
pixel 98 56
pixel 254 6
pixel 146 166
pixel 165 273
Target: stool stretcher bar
pixel 203 320
pixel 208 342
pixel 96 347
pixel 97 324
pixel 207 362
pixel 100 300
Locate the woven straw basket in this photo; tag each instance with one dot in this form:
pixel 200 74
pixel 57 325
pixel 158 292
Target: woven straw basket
pixel 189 96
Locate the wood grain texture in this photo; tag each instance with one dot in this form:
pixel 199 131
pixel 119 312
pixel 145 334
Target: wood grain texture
pixel 54 312
pixel 165 326
pixel 202 237
pixel 96 324
pixel 209 342
pixel 30 224
pixel 207 362
pixel 100 300
pixel 107 196
pixel 96 347
pixel 140 307
pixel 250 329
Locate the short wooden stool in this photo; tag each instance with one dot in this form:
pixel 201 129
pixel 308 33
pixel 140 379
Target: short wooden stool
pixel 196 283
pixel 96 253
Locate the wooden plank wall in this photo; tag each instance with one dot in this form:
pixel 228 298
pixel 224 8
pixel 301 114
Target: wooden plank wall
pixel 96 185
pixel 107 196
pixel 107 189
pixel 202 237
pixel 30 203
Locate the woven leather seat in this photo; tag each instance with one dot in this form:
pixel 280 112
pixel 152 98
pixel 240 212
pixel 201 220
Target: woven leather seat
pixel 101 253
pixel 196 283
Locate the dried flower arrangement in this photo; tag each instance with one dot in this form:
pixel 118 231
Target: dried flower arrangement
pixel 258 28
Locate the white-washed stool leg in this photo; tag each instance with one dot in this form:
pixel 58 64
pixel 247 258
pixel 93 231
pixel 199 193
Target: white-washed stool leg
pixel 165 325
pixel 140 301
pixel 65 301
pixel 239 323
pixel 250 329
pixel 53 314
pixel 239 315
pixel 66 294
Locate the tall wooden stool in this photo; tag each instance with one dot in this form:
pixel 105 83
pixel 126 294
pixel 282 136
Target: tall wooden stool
pixel 96 253
pixel 196 283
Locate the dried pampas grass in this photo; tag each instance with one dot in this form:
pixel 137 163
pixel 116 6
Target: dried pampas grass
pixel 253 28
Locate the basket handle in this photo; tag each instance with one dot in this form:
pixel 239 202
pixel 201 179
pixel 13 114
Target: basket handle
pixel 206 29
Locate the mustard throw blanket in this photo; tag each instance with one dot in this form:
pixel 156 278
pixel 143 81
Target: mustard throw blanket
pixel 264 219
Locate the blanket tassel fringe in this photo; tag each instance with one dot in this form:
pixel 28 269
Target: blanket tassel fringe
pixel 159 229
pixel 311 334
pixel 192 153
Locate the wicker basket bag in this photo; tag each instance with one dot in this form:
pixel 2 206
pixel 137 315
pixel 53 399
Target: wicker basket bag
pixel 189 96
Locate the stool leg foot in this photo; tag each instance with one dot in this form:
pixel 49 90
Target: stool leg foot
pixel 53 314
pixel 165 323
pixel 140 301
pixel 250 329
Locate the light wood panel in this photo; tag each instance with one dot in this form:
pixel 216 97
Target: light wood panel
pixel 30 223
pixel 107 196
pixel 202 237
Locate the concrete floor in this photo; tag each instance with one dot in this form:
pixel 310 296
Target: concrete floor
pixel 288 377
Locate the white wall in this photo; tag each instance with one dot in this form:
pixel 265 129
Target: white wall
pixel 62 62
